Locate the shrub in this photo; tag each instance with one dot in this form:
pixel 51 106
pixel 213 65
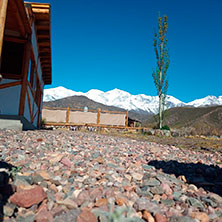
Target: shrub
pixel 120 214
pixel 165 127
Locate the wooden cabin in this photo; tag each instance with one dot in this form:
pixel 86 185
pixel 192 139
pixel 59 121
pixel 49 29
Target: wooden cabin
pixel 25 62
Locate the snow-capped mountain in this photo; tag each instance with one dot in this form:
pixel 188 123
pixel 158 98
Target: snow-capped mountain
pixel 58 93
pixel 125 100
pixel 207 101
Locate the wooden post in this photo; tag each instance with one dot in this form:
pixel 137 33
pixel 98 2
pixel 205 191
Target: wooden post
pixel 3 12
pixel 127 117
pixel 98 116
pixel 67 115
pixel 25 69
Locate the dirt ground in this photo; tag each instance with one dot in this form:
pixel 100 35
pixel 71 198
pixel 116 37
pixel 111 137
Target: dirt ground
pixel 209 144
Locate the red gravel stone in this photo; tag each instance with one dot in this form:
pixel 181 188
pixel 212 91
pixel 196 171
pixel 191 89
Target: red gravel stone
pixel 160 218
pixel 96 193
pixel 86 216
pixel 44 216
pixel 82 197
pixel 66 162
pixel 101 202
pixel 27 198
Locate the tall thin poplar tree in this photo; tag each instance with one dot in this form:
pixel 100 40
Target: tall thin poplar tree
pixel 162 57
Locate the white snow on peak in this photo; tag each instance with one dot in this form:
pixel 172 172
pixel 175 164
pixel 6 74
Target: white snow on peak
pixel 125 100
pixel 207 101
pixel 58 93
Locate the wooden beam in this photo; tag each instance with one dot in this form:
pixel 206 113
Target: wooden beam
pixel 42 40
pixel 93 125
pixel 46 66
pixel 19 18
pixel 43 32
pixel 46 49
pixel 43 36
pixel 42 27
pixel 34 116
pixel 39 110
pixel 42 5
pixel 11 76
pixel 3 12
pixel 25 69
pixel 13 39
pixel 90 110
pixel 31 89
pixel 7 85
pixel 42 23
pixel 41 11
pixel 30 106
pixel 44 44
pixel 46 53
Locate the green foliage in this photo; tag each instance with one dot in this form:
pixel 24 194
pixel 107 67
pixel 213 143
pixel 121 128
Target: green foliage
pixel 119 214
pixel 165 127
pixel 14 171
pixel 162 58
pixel 43 122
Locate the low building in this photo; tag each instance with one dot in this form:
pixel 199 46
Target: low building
pixel 25 62
pixel 134 122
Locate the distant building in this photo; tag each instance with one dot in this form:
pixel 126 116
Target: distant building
pixel 25 62
pixel 134 122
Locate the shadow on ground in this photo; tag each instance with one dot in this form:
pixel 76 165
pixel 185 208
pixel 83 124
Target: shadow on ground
pixel 201 175
pixel 6 189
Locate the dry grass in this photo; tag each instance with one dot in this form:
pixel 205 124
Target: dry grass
pixel 203 120
pixel 198 143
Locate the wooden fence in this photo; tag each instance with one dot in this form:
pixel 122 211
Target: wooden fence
pixel 74 117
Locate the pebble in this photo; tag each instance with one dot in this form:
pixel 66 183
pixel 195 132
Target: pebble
pixel 75 176
pixel 202 217
pixel 148 217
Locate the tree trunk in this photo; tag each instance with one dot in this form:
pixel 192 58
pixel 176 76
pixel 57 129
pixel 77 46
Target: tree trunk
pixel 160 111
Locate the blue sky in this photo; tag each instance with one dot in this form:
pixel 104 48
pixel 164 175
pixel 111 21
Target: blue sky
pixel 107 44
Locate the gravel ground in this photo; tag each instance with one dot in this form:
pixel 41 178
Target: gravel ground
pixel 74 176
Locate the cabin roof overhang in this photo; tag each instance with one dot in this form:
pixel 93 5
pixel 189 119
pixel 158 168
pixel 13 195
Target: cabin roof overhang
pixel 42 16
pixel 17 22
pixel 18 25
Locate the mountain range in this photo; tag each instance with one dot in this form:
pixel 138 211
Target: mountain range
pixel 118 98
pixel 192 120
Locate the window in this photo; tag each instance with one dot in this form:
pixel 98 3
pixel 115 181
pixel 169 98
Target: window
pixel 12 58
pixel 38 92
